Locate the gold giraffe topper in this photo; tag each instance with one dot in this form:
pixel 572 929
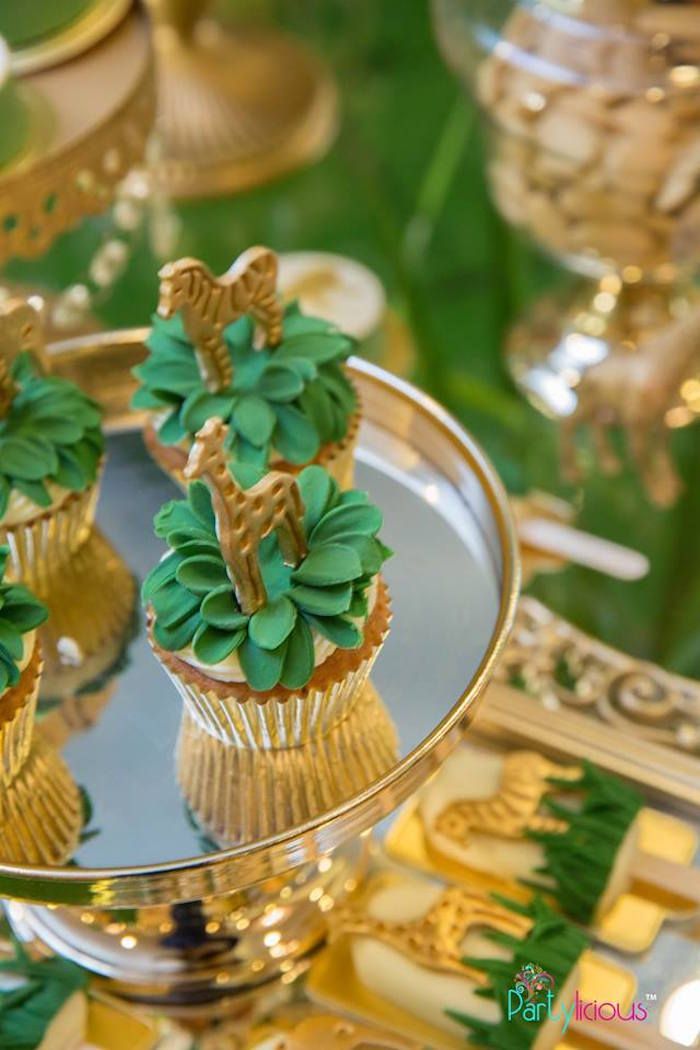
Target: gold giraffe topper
pixel 20 330
pixel 208 304
pixel 335 1033
pixel 516 808
pixel 435 940
pixel 244 517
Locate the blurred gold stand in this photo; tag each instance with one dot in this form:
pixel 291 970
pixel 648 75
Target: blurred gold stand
pixel 236 108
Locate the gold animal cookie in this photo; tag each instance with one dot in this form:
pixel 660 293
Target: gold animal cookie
pixel 208 304
pixel 244 517
pixel 525 780
pixel 435 940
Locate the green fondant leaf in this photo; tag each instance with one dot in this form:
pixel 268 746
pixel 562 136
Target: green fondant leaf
pixel 327 565
pixel 202 405
pixel 254 419
pixel 280 383
pixel 199 498
pixel 174 638
pixel 295 436
pixel 173 604
pixel 159 575
pixel 11 639
pixel 368 549
pixel 322 601
pixel 272 624
pixel 299 658
pixel 318 347
pixel 220 609
pixel 171 430
pixel 4 495
pixel 26 458
pixel 261 667
pixel 356 517
pixel 201 574
pixel 339 630
pixel 36 491
pixel 212 645
pixel 316 487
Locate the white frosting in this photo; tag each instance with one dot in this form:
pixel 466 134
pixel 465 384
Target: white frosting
pixel 474 772
pixel 230 670
pixel 21 509
pixel 426 993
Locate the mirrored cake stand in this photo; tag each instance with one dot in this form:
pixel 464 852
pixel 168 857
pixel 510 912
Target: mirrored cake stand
pixel 150 903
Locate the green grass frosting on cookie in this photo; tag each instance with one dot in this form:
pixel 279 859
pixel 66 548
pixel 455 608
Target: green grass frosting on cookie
pixel 552 943
pixel 20 612
pixel 195 604
pixel 293 398
pixel 27 1010
pixel 51 433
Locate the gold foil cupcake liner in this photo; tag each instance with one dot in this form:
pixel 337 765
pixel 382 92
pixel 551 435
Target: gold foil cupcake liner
pixel 236 715
pixel 40 547
pixel 40 811
pixel 338 457
pixel 242 795
pixel 92 609
pixel 17 710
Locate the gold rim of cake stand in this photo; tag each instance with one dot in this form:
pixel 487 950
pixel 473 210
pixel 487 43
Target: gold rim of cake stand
pixel 74 165
pixel 198 877
pixel 74 39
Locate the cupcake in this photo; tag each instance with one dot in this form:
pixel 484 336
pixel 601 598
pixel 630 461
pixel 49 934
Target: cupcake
pixel 40 809
pixel 269 610
pixel 51 450
pixel 283 391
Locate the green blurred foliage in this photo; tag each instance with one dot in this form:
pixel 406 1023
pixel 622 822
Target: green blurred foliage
pixel 403 190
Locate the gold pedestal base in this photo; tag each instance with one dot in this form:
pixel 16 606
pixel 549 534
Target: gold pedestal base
pixel 242 795
pixel 238 109
pixel 41 811
pixel 91 614
pixel 204 957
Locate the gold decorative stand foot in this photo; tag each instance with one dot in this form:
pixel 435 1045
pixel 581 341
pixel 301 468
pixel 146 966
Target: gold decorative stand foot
pixel 197 954
pixel 237 108
pixel 92 605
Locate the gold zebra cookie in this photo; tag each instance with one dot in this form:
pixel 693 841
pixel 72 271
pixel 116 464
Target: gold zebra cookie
pixel 576 832
pixel 227 347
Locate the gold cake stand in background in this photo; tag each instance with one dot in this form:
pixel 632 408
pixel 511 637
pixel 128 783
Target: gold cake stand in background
pixel 78 154
pixel 236 108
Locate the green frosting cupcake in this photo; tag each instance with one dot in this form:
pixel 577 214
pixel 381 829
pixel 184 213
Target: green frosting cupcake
pixel 553 945
pixel 194 601
pixel 49 436
pixel 20 613
pixel 28 1010
pixel 289 400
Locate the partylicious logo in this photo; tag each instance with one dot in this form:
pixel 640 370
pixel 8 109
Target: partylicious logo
pixel 533 998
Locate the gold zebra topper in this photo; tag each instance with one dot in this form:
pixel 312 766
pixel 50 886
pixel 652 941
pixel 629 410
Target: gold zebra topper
pixel 435 939
pixel 208 304
pixel 20 330
pixel 244 517
pixel 515 810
